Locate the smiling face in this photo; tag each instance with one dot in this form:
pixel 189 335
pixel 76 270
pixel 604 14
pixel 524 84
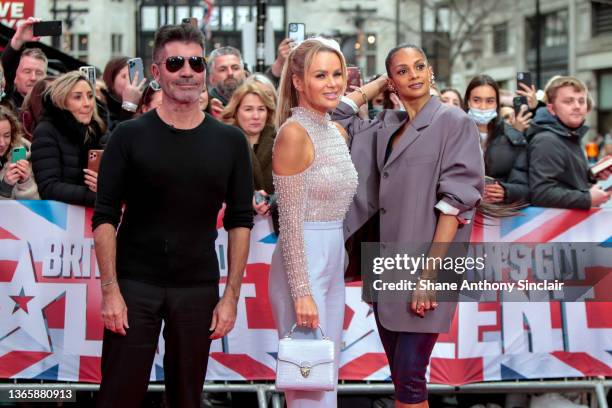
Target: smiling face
pixel 184 85
pixel 570 105
pixel 410 74
pixel 482 97
pixel 251 115
pixel 323 83
pixel 80 102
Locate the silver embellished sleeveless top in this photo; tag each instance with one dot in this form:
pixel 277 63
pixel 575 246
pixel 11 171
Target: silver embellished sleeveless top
pixel 321 193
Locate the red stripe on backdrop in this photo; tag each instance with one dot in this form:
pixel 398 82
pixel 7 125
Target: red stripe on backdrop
pixel 477 230
pixel 7 270
pixel 363 366
pixel 584 363
pixel 456 371
pixel 55 313
pixel 247 367
pixel 598 315
pixel 557 225
pixel 4 234
pixel 555 315
pixel 258 309
pixel 490 307
pixel 15 362
pixel 88 233
pixel 89 369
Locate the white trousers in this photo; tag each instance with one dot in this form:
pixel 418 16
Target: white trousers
pixel 325 257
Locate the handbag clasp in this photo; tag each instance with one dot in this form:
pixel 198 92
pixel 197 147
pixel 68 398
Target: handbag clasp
pixel 305 368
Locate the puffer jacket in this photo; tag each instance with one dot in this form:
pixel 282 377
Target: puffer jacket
pixel 59 155
pixel 558 169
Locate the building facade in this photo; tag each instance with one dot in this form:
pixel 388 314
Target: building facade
pixel 94 31
pixel 575 38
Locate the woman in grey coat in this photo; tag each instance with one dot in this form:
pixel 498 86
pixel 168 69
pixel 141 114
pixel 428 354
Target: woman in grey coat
pixel 421 177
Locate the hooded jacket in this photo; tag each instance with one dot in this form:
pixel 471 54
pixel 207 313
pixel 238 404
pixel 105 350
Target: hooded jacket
pixel 558 168
pixel 59 155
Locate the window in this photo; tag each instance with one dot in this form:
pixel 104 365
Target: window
pixel 500 38
pixel 370 53
pixel 553 30
pixel 76 45
pixel 602 17
pixel 116 44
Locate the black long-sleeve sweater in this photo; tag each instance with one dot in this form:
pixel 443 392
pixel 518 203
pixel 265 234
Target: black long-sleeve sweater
pixel 173 183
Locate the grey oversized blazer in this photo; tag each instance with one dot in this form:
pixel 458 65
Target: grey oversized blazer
pixel 438 159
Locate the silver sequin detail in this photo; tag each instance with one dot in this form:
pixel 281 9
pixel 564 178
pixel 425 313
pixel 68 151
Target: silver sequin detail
pixel 321 193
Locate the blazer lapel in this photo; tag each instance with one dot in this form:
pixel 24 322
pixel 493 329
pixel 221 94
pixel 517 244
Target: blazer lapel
pixel 397 119
pixel 413 132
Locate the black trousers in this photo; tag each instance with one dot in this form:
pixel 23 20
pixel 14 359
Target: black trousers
pixel 127 360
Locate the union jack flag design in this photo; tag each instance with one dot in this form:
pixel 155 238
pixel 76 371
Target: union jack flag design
pixel 50 325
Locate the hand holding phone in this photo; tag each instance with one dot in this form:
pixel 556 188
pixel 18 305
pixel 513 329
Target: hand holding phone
pixel 18 153
pixel 135 67
pixel 353 78
pixel 524 78
pixel 94 157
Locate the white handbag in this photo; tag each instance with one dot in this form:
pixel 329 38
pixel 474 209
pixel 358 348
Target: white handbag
pixel 305 364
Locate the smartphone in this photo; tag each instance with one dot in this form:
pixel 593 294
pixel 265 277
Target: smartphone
pixel 353 78
pixel 525 78
pixel 517 102
pixel 90 74
pixel 297 32
pixel 93 160
pixel 19 153
pixel 191 20
pixel 47 28
pixel 135 65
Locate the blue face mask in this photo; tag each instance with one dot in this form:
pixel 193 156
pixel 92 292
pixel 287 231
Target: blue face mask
pixel 482 117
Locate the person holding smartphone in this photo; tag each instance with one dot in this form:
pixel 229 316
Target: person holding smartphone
pixel 504 145
pixel 69 128
pixel 421 178
pixel 121 97
pixel 16 179
pixel 22 67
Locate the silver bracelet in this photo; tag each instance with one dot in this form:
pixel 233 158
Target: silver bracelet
pixel 129 106
pixel 110 282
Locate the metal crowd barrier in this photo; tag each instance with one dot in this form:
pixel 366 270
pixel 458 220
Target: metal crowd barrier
pixel 598 387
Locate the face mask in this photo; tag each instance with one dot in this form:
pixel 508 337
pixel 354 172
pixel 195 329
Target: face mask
pixel 482 117
pixel 377 108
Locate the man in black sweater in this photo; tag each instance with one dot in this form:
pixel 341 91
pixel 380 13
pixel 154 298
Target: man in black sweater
pixel 559 174
pixel 173 168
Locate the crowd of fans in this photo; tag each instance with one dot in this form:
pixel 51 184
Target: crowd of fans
pixel 533 155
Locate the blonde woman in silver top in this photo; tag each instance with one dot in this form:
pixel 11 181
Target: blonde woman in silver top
pixel 315 182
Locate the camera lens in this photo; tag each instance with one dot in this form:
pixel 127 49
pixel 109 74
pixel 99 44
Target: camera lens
pixel 293 28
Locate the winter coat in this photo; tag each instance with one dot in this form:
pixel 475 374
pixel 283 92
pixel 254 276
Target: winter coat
pixel 558 167
pixel 506 161
pixel 59 155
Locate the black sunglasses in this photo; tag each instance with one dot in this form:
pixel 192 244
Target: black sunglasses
pixel 173 64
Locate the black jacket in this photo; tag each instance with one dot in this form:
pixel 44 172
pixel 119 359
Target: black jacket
pixel 558 168
pixel 506 160
pixel 10 63
pixel 112 112
pixel 59 155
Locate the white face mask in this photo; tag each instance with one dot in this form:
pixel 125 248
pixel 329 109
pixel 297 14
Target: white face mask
pixel 482 116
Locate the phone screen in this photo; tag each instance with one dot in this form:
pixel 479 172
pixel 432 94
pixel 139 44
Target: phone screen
pixel 353 78
pixel 135 65
pixel 297 32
